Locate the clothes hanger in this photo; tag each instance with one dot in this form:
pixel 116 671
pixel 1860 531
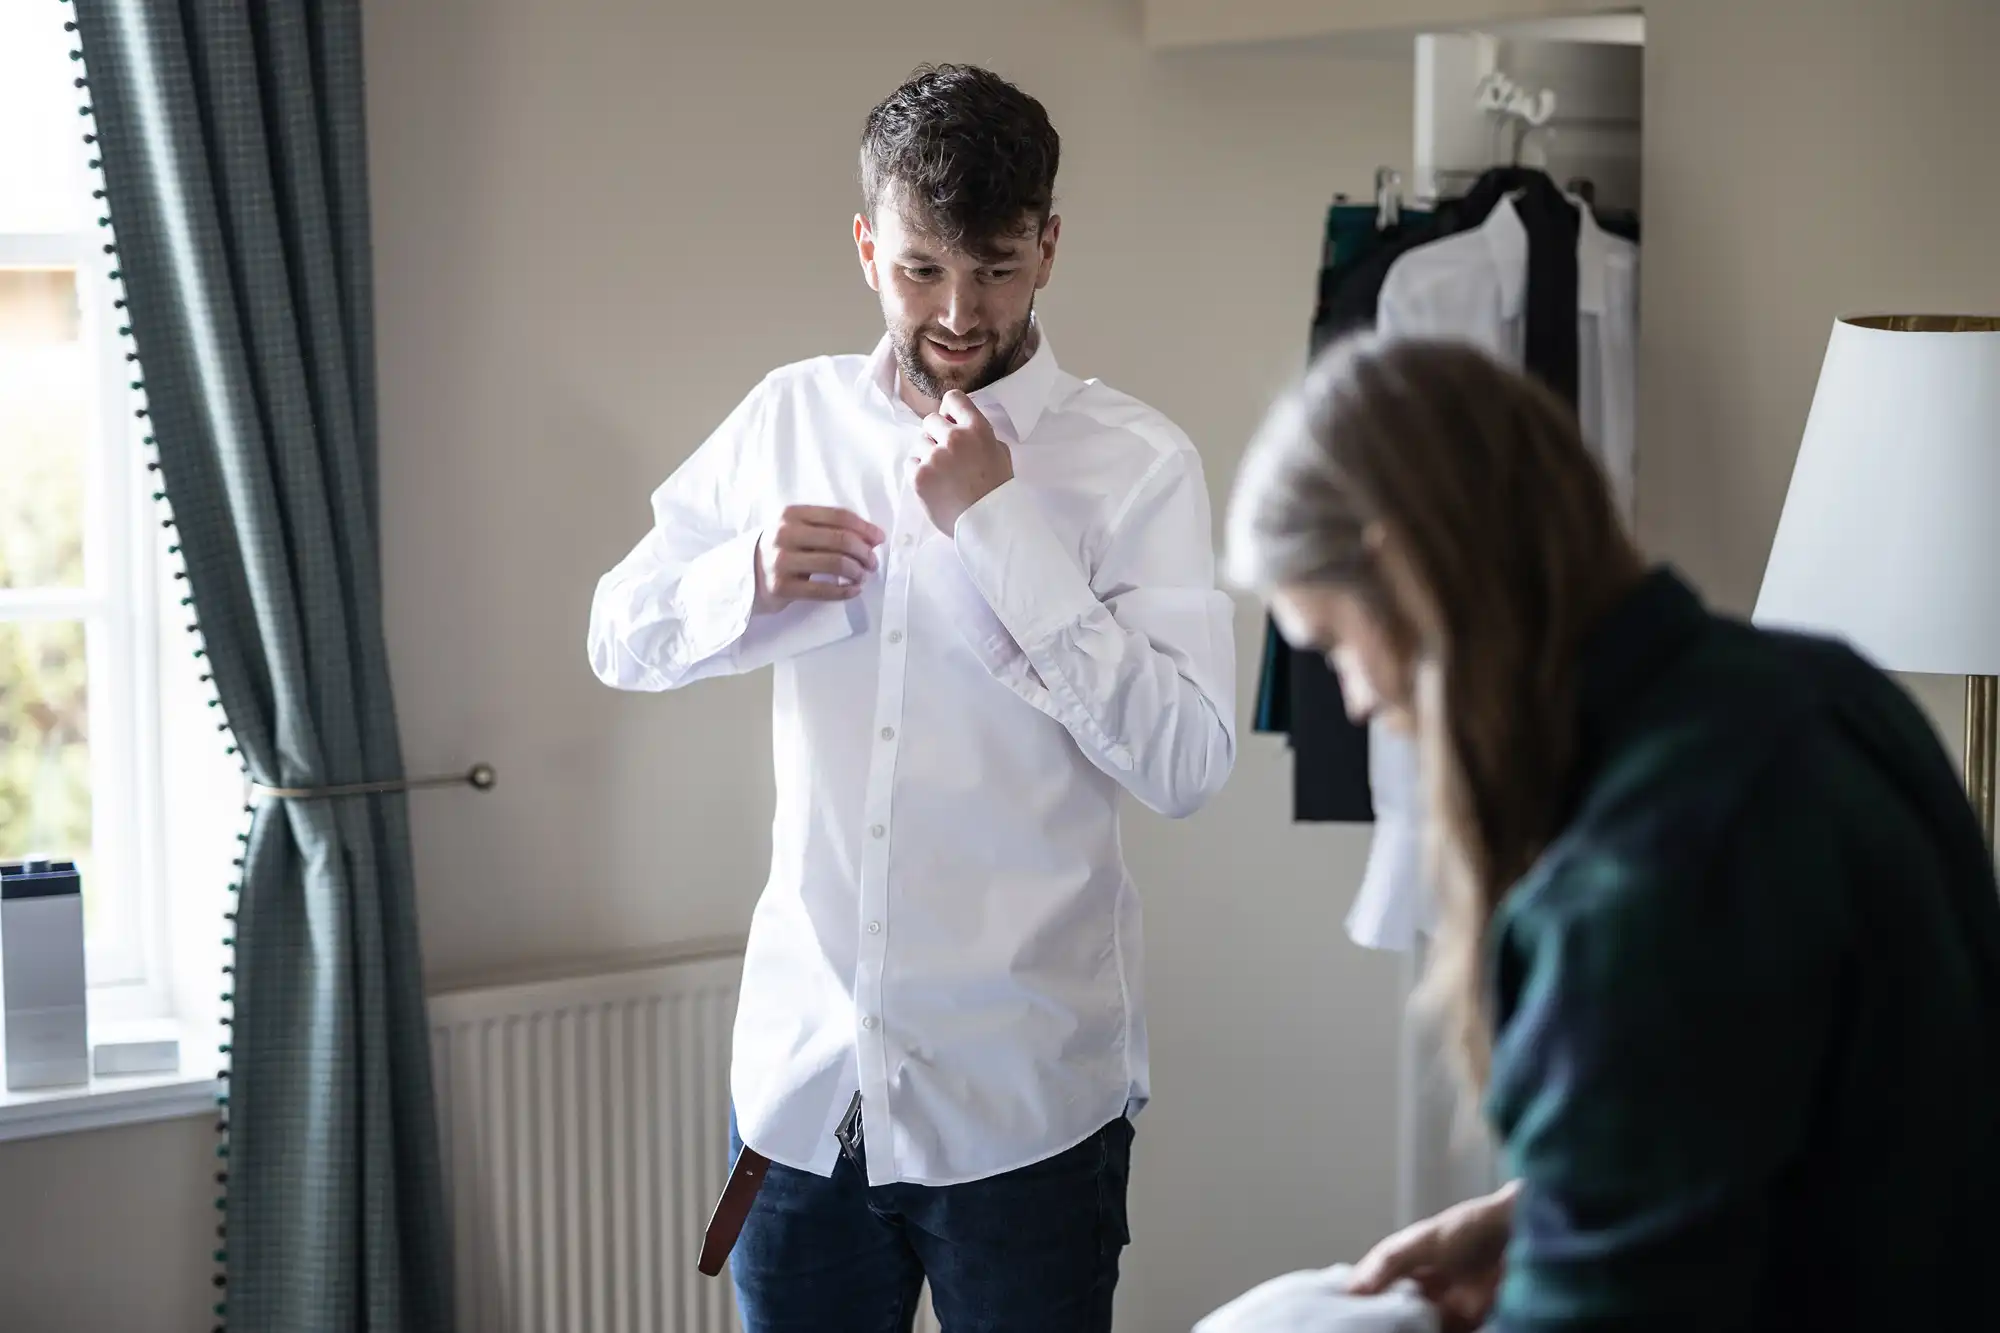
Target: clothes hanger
pixel 1388 198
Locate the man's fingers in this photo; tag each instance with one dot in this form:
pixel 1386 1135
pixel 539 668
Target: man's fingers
pixel 819 516
pixel 808 590
pixel 942 426
pixel 959 409
pixel 804 564
pixel 869 534
pixel 802 536
pixel 823 516
pixel 818 553
pixel 839 541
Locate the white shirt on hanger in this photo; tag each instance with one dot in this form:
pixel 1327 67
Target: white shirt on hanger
pixel 948 925
pixel 1474 287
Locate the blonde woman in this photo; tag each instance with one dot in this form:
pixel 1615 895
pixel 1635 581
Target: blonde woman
pixel 1718 944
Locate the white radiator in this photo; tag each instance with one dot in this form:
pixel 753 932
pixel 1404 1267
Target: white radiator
pixel 586 1132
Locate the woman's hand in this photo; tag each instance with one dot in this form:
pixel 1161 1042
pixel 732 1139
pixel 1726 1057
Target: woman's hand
pixel 1455 1258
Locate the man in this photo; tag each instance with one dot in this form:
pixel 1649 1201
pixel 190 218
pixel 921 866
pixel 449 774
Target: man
pixel 987 590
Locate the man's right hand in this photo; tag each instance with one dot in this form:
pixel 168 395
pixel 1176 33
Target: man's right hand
pixel 1456 1258
pixel 808 540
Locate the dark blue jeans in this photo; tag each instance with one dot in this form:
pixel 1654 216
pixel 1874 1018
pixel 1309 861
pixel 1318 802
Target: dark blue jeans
pixel 1033 1251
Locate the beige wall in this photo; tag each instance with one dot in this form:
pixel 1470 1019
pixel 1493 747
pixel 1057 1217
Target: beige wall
pixel 1794 172
pixel 1197 23
pixel 599 222
pixel 111 1231
pixel 598 225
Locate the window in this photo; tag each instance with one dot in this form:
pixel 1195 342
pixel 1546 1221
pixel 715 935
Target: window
pixel 98 688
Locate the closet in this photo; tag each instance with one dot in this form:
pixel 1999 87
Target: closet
pixel 1517 225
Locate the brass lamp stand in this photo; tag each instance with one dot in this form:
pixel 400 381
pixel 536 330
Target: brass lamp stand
pixel 1982 709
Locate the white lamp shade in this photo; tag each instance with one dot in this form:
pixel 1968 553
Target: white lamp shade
pixel 1890 537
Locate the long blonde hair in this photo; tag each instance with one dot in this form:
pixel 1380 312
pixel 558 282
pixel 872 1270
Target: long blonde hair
pixel 1456 500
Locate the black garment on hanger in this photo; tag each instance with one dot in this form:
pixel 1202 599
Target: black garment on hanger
pixel 1297 692
pixel 1553 224
pixel 1618 222
pixel 1352 236
pixel 1329 751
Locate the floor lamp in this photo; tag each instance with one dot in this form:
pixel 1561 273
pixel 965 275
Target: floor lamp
pixel 1890 537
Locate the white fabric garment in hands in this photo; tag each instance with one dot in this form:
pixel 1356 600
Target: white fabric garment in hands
pixel 948 925
pixel 1474 287
pixel 1317 1301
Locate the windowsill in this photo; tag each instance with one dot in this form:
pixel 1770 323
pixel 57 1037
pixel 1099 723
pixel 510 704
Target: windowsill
pixel 104 1103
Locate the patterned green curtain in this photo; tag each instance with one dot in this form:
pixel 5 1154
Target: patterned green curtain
pixel 234 158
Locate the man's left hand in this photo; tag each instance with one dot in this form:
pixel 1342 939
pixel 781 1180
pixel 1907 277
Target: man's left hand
pixel 967 462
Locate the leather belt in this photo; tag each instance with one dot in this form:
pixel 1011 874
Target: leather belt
pixel 725 1224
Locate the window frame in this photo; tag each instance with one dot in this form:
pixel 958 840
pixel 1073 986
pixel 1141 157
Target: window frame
pixel 128 958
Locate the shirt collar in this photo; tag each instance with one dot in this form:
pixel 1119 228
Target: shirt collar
pixel 1507 241
pixel 1018 400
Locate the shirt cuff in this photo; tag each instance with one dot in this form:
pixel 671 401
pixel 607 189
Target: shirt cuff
pixel 940 569
pixel 798 629
pixel 716 595
pixel 1026 573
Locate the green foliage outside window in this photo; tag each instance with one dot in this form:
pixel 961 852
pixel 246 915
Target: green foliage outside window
pixel 44 675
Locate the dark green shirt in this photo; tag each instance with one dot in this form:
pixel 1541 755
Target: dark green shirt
pixel 1747 1064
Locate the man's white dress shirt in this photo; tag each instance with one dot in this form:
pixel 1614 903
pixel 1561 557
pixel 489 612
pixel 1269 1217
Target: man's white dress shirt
pixel 1474 287
pixel 948 925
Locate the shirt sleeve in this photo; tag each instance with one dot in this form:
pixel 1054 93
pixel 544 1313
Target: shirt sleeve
pixel 1654 1077
pixel 678 608
pixel 1137 662
pixel 1394 908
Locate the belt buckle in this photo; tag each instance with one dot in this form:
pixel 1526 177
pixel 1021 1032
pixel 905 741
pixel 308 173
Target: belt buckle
pixel 848 1134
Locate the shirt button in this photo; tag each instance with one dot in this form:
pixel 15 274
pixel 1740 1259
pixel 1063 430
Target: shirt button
pixel 877 832
pixel 874 927
pixel 909 539
pixel 895 636
pixel 869 1023
pixel 888 733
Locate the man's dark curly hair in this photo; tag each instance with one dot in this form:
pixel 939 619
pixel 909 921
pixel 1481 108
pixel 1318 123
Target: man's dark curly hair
pixel 973 156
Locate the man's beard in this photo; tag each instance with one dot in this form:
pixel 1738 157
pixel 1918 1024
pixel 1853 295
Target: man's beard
pixel 1003 355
